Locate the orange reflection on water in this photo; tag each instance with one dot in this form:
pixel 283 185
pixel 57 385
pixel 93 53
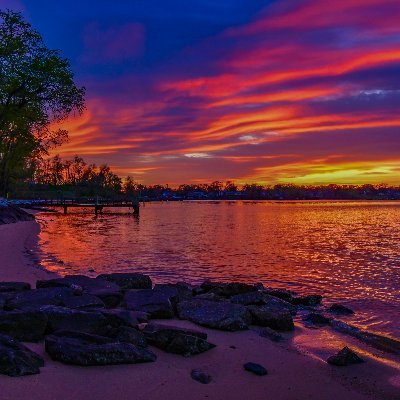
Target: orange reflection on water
pixel 347 251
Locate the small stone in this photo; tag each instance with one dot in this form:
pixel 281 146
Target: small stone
pixel 200 376
pixel 256 369
pixel 317 319
pixel 340 309
pixel 345 357
pixel 310 300
pixel 232 347
pixel 270 334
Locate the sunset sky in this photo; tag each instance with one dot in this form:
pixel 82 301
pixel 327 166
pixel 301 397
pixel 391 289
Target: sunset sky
pixel 302 91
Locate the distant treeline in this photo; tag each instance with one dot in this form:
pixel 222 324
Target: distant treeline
pixel 56 178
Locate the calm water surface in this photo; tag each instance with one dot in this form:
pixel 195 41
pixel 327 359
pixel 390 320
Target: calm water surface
pixel 347 251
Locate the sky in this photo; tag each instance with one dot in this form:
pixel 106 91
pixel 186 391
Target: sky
pixel 278 91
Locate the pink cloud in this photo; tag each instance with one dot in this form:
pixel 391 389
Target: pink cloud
pixel 113 44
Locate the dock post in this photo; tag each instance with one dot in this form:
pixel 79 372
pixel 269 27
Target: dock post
pixel 65 210
pixel 136 207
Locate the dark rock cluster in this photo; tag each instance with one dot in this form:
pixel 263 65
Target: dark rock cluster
pixel 11 214
pixel 107 320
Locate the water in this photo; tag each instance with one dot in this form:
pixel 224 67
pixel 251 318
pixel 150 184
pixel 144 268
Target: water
pixel 347 251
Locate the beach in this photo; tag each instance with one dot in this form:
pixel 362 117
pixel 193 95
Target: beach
pixel 292 374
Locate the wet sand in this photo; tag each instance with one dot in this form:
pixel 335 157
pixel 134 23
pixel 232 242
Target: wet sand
pixel 292 374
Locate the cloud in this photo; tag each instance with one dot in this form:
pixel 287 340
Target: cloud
pixel 314 85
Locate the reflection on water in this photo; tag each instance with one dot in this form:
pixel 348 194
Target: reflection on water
pixel 348 251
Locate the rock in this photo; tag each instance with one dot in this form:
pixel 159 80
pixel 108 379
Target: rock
pixel 83 336
pixel 280 293
pixel 270 334
pixel 85 301
pixel 345 357
pixel 128 281
pixel 16 359
pixel 272 316
pixel 108 292
pixel 10 214
pixel 218 315
pixel 27 326
pixel 176 340
pixel 380 342
pixel 120 317
pixel 310 300
pixel 61 318
pixel 317 319
pixel 200 376
pixel 178 291
pixel 256 369
pixel 90 350
pixel 126 334
pixel 227 289
pixel 7 287
pixel 157 303
pixel 211 297
pixel 251 298
pixel 340 309
pixel 262 298
pixel 3 300
pixel 36 298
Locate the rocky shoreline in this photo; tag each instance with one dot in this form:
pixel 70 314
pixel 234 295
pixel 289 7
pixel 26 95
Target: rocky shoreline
pixel 10 214
pixel 108 320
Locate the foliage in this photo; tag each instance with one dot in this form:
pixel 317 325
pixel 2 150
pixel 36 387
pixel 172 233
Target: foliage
pixel 76 178
pixel 36 91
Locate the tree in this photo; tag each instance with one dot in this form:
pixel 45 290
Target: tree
pixel 36 90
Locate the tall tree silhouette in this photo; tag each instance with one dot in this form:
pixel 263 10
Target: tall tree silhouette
pixel 36 90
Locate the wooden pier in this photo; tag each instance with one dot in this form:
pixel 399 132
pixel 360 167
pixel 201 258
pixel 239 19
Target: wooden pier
pixel 96 204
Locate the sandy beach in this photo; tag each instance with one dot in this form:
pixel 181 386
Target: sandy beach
pixel 292 374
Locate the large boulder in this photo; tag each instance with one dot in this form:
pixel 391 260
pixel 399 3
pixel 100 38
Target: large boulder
pixel 12 287
pixel 128 281
pixel 108 292
pixel 177 291
pixel 177 340
pixel 16 359
pixel 61 318
pixel 36 298
pixel 226 289
pixel 126 334
pixel 157 303
pixel 121 317
pixel 274 317
pixel 27 326
pixel 87 350
pixel 262 298
pixel 218 315
pixel 83 302
pixel 250 298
